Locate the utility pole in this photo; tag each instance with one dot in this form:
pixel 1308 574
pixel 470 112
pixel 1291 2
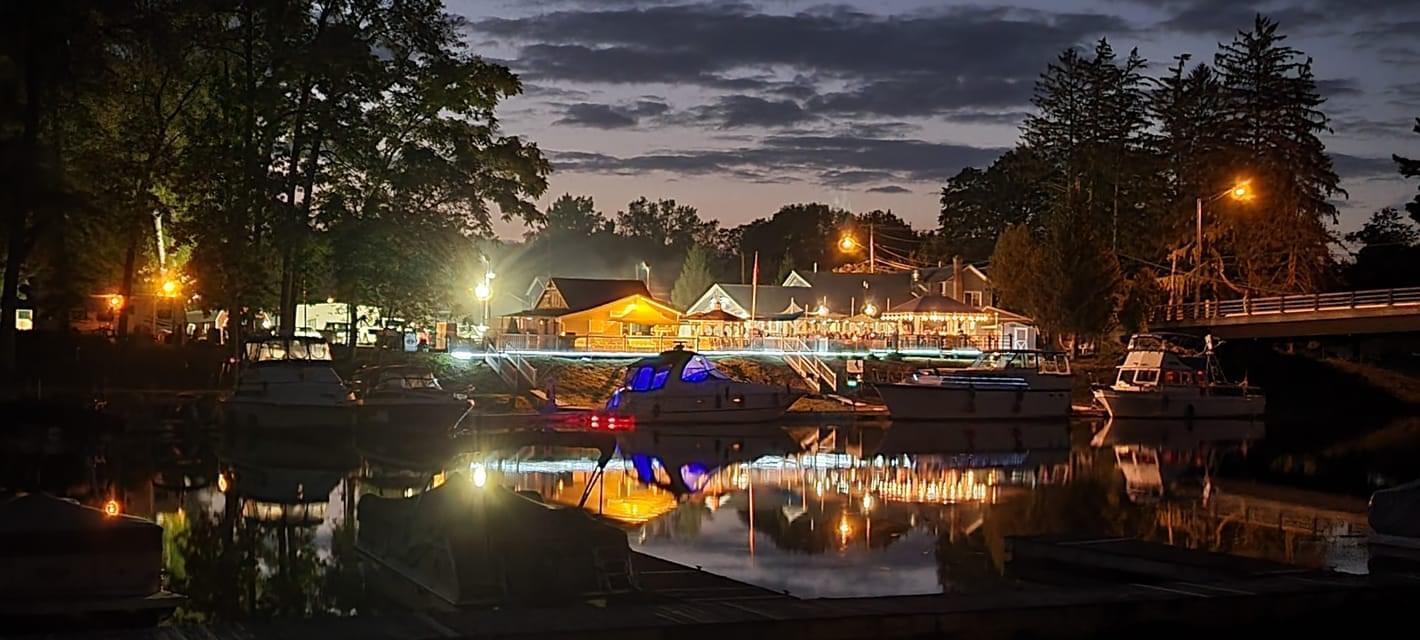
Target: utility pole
pixel 1198 247
pixel 872 251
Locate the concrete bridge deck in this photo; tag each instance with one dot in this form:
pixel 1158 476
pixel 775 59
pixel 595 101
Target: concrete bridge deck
pixel 1300 315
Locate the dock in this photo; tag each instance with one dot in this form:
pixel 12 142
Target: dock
pixel 1173 592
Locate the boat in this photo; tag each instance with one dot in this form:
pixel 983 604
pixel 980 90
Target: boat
pixel 407 397
pixel 681 386
pixel 1394 516
pixel 998 385
pixel 1175 376
pixel 468 542
pixel 65 560
pixel 288 383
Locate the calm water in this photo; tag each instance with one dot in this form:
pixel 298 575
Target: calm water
pixel 265 525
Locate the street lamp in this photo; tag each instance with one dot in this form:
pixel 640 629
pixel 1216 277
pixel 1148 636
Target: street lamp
pixel 483 291
pixel 1240 191
pixel 848 244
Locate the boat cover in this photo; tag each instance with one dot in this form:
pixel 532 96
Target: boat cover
pixel 1396 511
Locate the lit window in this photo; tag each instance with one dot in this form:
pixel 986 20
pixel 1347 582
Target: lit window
pixel 699 369
pixel 642 380
pixel 659 380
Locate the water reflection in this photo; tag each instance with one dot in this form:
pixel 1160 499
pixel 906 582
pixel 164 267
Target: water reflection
pixel 274 524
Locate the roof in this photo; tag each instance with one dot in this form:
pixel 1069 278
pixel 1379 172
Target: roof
pixel 770 300
pixel 839 289
pixel 714 315
pixel 933 304
pixel 585 293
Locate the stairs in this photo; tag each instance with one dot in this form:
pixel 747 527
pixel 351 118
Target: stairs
pixel 817 372
pixel 514 369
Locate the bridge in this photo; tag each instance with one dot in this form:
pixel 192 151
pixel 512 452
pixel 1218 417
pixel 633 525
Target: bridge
pixel 1371 311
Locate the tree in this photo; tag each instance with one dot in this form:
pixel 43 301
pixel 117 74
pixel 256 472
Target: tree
pixel 573 216
pixel 1015 269
pixel 801 234
pixel 695 277
pixel 978 206
pixel 1067 280
pixel 1389 255
pixel 1270 120
pixel 1410 168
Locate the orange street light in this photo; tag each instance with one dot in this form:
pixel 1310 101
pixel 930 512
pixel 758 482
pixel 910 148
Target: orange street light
pixel 847 243
pixel 111 509
pixel 1242 190
pixel 115 301
pixel 170 288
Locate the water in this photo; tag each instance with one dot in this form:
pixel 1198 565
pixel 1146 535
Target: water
pixel 265 525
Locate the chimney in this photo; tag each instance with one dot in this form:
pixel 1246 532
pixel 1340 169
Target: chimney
pixel 958 287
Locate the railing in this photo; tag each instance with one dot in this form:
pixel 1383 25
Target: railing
pixel 523 343
pixel 808 365
pixel 1293 303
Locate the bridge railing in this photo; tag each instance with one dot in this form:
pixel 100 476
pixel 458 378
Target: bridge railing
pixel 1292 303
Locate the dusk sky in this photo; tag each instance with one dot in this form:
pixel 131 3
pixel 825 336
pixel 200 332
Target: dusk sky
pixel 740 107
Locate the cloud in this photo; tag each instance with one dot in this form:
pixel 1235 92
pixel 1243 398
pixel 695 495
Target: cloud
pixel 1338 87
pixel 900 65
pixel 606 116
pixel 832 160
pixel 1355 167
pixel 889 188
pixel 734 111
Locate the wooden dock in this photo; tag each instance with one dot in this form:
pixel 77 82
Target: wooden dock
pixel 683 603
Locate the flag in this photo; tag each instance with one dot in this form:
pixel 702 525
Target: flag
pixel 754 288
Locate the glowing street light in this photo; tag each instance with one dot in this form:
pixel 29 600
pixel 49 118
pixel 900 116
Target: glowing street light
pixel 115 302
pixel 111 509
pixel 847 243
pixel 1240 191
pixel 483 292
pixel 170 288
pixel 870 309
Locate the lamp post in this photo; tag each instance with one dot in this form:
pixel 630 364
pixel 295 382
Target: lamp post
pixel 483 291
pixel 848 243
pixel 1240 191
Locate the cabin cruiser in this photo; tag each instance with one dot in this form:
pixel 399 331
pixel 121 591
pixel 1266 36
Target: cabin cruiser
pixel 681 386
pixel 288 382
pixel 1175 376
pixel 407 396
pixel 68 560
pixel 1005 384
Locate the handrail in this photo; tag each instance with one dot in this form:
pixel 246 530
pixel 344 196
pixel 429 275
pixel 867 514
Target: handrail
pixel 1289 303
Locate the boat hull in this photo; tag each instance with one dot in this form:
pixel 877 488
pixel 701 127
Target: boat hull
pixel 244 413
pixel 934 402
pixel 1180 404
pixel 665 409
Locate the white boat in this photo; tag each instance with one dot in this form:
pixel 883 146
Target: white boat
pixel 999 385
pixel 407 397
pixel 288 382
pixel 680 386
pixel 1176 377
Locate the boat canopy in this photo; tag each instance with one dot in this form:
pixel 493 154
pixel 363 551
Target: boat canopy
pixel 651 374
pixel 1044 361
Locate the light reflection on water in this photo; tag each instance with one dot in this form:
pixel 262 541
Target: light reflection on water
pixel 815 511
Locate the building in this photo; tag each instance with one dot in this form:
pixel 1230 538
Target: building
pixel 593 314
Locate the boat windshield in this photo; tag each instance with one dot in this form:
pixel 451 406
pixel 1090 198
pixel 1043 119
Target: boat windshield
pixel 408 380
pixel 274 349
pixel 699 369
pixel 994 360
pixel 647 377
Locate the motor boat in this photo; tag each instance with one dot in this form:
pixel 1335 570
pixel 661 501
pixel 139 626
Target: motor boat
pixel 288 383
pixel 408 397
pixel 470 542
pixel 73 561
pixel 1176 377
pixel 681 386
pixel 1394 516
pixel 999 385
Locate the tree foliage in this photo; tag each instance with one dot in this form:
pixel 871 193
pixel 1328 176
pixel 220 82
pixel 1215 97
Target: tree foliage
pixel 695 277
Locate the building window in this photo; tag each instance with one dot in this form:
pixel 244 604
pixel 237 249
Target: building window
pixel 973 298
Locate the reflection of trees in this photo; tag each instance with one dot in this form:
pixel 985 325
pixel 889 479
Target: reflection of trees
pixel 231 568
pixel 964 564
pixel 682 522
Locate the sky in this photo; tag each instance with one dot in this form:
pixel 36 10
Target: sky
pixel 739 107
